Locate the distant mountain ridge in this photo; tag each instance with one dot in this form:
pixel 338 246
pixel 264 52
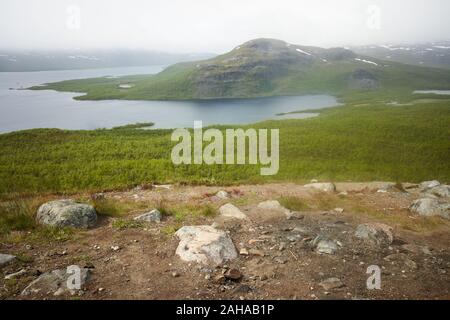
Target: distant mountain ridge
pixel 261 68
pixel 12 61
pixel 432 54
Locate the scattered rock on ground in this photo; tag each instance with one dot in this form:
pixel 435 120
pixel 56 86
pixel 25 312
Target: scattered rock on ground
pixel 273 205
pixel 56 282
pixel 67 213
pixel 322 186
pixel 324 245
pixel 15 274
pixel 5 259
pixel 377 233
pixel 233 274
pixel 407 185
pixel 232 212
pixel 428 207
pixel 331 283
pixel 429 184
pixel 152 216
pixel 223 194
pixel 204 244
pixel 442 191
pixel 401 258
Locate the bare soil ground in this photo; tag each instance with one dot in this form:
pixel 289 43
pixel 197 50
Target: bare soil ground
pixel 281 263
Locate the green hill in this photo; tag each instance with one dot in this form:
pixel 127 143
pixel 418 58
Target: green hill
pixel 265 67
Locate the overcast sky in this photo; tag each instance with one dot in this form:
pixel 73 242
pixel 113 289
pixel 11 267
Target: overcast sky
pixel 217 25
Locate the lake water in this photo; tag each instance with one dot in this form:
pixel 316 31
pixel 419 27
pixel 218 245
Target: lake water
pixel 440 92
pixel 27 109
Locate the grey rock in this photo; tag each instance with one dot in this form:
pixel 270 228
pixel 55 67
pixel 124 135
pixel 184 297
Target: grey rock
pixel 56 282
pixel 273 205
pixel 229 211
pixel 5 259
pixel 205 245
pixel 442 191
pixel 152 216
pixel 67 213
pixel 429 184
pixel 223 194
pixel 322 186
pixel 428 207
pixel 331 283
pixel 376 233
pixel 323 245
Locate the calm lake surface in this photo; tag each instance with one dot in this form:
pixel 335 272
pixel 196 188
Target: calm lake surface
pixel 27 109
pixel 441 92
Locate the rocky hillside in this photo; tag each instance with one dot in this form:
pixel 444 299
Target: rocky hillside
pixel 264 67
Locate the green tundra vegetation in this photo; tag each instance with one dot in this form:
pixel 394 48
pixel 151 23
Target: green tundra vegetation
pixel 355 142
pixel 382 132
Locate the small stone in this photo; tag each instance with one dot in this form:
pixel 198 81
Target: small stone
pixel 223 194
pixel 376 233
pixel 338 210
pixel 326 247
pixel 331 283
pixel 256 252
pixel 175 274
pixel 151 216
pixel 15 275
pixel 281 260
pixel 5 259
pixel 325 187
pixel 232 212
pixel 115 248
pixel 263 277
pixel 273 205
pixel 243 252
pixel 233 274
pixel 220 279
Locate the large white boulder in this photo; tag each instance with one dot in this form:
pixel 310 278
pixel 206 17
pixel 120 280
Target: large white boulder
pixel 428 207
pixel 67 213
pixel 442 191
pixel 205 245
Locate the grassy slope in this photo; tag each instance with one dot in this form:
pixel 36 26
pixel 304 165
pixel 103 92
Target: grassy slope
pixel 175 83
pixel 354 142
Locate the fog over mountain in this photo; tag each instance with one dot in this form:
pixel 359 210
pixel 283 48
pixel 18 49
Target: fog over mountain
pixel 216 25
